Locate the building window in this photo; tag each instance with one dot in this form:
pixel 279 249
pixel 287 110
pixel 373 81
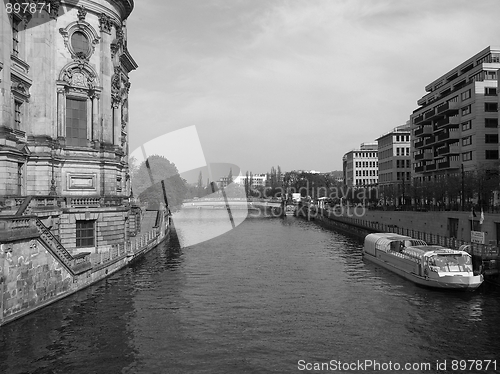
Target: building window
pixel 466 126
pixel 491 75
pixel 465 95
pixel 466 110
pixel 20 177
pixel 491 107
pixel 16 22
pixel 491 154
pixel 467 140
pixel 17 114
pixel 80 43
pixel 85 233
pixel 467 156
pixel 491 138
pixel 76 122
pixel 491 122
pixel 490 91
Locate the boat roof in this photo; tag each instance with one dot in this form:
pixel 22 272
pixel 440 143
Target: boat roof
pixel 431 250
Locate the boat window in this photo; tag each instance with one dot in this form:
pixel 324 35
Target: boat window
pixel 452 262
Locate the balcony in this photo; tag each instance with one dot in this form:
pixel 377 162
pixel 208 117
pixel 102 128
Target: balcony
pixel 429 115
pixel 425 130
pixel 430 140
pixel 448 122
pixel 449 149
pixel 449 164
pixel 423 156
pixel 430 167
pixel 419 169
pixel 419 144
pixel 448 108
pixel 448 136
pixel 418 119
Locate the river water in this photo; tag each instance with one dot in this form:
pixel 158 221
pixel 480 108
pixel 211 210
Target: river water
pixel 271 296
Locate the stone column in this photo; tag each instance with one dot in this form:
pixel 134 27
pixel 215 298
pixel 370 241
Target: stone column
pixel 89 119
pixel 117 130
pixel 61 112
pixel 95 118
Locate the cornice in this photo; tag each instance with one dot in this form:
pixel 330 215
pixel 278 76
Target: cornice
pixel 127 61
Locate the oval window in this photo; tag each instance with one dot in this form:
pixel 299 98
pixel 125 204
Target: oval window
pixel 80 43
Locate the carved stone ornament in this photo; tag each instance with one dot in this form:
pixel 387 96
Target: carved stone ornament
pixel 105 23
pixel 116 81
pixel 53 9
pixel 82 13
pixel 20 89
pixel 114 48
pixel 119 35
pixel 81 77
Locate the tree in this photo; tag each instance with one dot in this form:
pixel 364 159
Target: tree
pixel 160 169
pixel 201 189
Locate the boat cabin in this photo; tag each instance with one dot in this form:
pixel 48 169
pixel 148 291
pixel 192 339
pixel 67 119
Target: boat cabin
pixel 389 242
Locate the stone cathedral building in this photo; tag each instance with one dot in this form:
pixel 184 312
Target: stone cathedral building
pixel 65 215
pixel 64 81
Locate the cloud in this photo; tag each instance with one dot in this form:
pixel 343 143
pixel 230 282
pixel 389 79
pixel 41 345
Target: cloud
pixel 264 79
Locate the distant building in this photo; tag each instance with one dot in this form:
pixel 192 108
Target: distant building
pixel 361 166
pixel 254 180
pixel 394 162
pixel 456 123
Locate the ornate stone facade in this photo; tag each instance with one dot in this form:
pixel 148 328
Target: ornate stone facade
pixel 64 79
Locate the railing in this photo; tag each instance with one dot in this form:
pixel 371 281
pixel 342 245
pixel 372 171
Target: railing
pixel 429 114
pixel 17 227
pixel 430 167
pixel 74 264
pixel 75 202
pixel 51 241
pixel 483 250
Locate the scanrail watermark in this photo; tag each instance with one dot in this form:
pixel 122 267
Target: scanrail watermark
pixel 406 367
pixel 332 192
pixel 337 211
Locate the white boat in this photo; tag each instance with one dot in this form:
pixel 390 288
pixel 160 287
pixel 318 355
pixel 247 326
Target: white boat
pixel 426 265
pixel 290 209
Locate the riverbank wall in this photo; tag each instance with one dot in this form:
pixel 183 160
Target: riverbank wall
pixel 36 270
pixel 432 227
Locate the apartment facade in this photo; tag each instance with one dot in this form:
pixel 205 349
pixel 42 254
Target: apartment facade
pixel 394 162
pixel 360 166
pixel 456 124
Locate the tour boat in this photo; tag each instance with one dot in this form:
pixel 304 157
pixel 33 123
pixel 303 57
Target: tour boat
pixel 290 209
pixel 426 265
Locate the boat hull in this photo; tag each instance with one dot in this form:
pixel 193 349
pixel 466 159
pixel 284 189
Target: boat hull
pixel 443 282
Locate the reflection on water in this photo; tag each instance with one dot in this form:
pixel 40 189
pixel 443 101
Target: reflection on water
pixel 254 300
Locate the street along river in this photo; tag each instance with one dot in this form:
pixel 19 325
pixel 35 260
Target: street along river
pixel 271 296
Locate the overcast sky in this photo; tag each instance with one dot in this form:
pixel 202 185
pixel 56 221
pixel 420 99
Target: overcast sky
pixel 295 83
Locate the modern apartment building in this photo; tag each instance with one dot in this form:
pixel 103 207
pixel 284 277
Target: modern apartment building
pixel 361 166
pixel 457 121
pixel 394 170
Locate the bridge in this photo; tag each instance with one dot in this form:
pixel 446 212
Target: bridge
pixel 241 203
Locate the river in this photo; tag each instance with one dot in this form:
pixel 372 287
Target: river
pixel 270 296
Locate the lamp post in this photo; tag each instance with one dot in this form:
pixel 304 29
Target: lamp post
pixel 53 180
pixel 462 198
